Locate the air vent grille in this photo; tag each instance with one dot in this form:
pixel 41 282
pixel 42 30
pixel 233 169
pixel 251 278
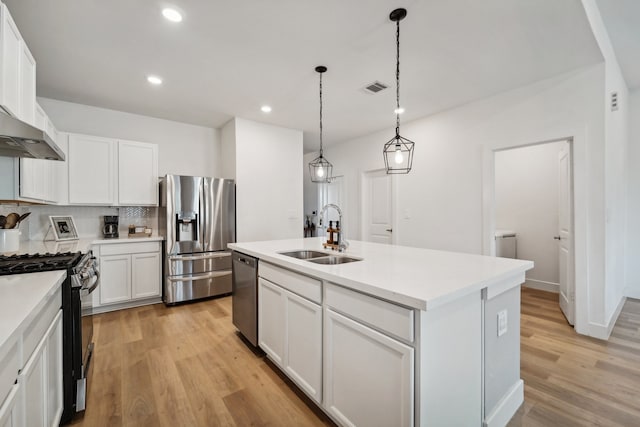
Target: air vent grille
pixel 375 87
pixel 614 101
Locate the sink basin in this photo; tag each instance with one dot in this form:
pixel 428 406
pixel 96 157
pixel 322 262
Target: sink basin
pixel 304 254
pixel 330 260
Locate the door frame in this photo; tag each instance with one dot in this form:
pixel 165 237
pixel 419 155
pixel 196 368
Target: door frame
pixel 578 222
pixel 364 181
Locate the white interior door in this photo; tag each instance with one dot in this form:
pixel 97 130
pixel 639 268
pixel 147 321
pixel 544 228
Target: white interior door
pixel 565 234
pixel 377 209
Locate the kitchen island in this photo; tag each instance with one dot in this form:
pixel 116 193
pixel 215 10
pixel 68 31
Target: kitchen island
pixel 403 336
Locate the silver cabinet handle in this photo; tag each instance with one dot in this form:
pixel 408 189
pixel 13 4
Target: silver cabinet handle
pixel 557 238
pixel 390 230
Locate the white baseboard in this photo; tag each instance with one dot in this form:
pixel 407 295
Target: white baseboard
pixel 603 332
pixel 507 407
pixel 542 285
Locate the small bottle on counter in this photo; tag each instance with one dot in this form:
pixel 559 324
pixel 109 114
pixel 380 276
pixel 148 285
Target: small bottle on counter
pixel 336 238
pixel 330 230
pixel 132 229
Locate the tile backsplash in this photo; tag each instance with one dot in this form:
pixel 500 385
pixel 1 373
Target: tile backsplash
pixel 87 219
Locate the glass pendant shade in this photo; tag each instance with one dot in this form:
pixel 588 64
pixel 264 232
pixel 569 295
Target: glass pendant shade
pixel 320 170
pixel 398 155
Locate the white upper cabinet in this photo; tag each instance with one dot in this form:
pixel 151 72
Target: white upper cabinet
pixel 27 85
pixel 91 170
pixel 137 173
pixel 10 54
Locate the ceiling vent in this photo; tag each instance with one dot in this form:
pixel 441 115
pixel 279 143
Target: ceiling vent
pixel 614 101
pixel 375 87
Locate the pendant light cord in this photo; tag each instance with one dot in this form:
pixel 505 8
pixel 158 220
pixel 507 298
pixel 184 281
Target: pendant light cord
pixel 320 114
pixel 398 78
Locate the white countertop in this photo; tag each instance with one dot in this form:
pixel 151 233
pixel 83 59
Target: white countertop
pixel 418 278
pixel 81 245
pixel 22 297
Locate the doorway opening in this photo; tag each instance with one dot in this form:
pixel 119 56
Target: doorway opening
pixel 533 201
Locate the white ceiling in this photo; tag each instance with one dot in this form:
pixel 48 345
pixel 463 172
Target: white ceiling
pixel 622 20
pixel 227 58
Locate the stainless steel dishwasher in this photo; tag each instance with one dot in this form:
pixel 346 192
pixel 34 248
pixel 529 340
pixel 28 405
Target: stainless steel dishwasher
pixel 244 299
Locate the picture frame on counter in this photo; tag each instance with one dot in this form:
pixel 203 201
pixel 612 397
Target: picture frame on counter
pixel 63 228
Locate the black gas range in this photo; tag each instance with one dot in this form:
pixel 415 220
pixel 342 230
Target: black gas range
pixel 77 339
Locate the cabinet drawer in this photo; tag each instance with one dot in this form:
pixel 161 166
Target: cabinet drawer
pixel 129 248
pixel 35 331
pixel 304 286
pixel 9 366
pixel 382 315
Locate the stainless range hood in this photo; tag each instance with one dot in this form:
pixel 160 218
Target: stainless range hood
pixel 19 139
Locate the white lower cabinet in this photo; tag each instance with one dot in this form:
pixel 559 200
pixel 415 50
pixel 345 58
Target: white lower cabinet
pixel 41 380
pixel 129 272
pixel 115 280
pixel 290 332
pixel 368 375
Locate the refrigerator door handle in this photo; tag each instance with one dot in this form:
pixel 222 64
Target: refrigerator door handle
pixel 200 257
pixel 210 275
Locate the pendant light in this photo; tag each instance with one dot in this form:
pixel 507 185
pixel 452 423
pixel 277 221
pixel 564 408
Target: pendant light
pixel 398 152
pixel 320 169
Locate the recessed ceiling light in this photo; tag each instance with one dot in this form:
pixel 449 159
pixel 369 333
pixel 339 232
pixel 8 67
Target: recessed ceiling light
pixel 265 109
pixel 398 110
pixel 172 14
pixel 154 80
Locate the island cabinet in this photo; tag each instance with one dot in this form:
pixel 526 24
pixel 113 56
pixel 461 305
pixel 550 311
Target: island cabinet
pixel 290 325
pixel 368 359
pixel 130 275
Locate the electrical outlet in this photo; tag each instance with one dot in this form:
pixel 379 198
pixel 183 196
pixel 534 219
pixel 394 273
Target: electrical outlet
pixel 502 322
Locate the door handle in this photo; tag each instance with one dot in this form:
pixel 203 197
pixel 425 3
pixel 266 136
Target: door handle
pixel 390 230
pixel 557 238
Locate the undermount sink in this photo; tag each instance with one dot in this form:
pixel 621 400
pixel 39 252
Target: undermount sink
pixel 304 254
pixel 330 260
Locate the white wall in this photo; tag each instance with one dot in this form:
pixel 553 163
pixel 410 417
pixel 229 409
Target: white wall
pixel 184 149
pixel 615 155
pixel 443 203
pixel 633 197
pixel 268 167
pixel 526 182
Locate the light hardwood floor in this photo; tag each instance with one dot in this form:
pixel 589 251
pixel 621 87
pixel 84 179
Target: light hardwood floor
pixel 186 366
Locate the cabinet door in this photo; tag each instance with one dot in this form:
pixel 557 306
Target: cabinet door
pixel 303 356
pixel 115 279
pixel 271 320
pixel 27 85
pixel 91 170
pixel 137 173
pixel 368 375
pixel 33 378
pixel 10 76
pixel 11 409
pixel 60 171
pixel 54 373
pixel 146 275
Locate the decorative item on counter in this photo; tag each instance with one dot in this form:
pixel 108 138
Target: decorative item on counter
pixel 63 228
pixel 139 231
pixel 336 237
pixel 330 230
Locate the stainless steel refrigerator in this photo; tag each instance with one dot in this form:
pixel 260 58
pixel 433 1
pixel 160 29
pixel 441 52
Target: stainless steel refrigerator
pixel 198 219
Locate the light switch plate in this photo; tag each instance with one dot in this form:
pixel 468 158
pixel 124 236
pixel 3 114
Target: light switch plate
pixel 502 322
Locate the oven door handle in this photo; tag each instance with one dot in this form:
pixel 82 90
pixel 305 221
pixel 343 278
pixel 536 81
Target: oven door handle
pixel 95 280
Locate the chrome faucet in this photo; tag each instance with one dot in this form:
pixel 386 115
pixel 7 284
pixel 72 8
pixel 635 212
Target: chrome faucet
pixel 343 245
